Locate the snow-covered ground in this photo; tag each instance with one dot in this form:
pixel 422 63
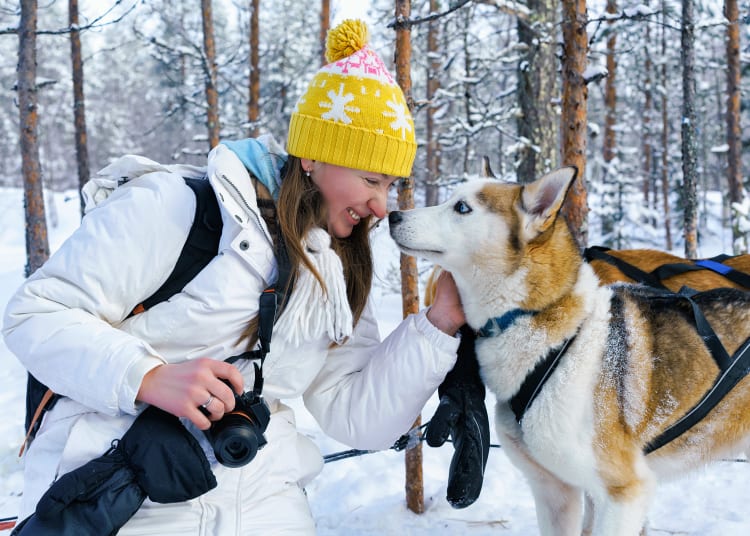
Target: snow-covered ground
pixel 365 495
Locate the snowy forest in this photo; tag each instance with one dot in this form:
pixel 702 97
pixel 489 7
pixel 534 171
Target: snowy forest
pixel 645 98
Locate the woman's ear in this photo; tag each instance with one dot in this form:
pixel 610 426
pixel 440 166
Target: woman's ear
pixel 307 164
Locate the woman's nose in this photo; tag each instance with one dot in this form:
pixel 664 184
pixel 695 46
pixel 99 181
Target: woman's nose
pixel 377 204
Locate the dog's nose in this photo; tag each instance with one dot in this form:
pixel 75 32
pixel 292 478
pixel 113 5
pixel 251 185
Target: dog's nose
pixel 395 217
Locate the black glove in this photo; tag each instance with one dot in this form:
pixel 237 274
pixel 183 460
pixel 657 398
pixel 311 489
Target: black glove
pixel 156 458
pixel 462 414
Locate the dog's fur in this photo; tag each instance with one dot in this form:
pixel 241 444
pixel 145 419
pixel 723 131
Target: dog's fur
pixel 635 367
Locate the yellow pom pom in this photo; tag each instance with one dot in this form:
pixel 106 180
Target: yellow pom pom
pixel 346 39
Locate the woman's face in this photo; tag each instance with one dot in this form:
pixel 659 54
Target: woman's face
pixel 350 195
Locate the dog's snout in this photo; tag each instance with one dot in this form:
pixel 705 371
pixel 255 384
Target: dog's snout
pixel 395 217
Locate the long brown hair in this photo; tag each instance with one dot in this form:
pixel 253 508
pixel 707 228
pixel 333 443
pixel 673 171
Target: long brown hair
pixel 300 208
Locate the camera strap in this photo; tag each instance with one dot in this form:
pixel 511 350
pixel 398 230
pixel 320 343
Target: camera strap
pixel 273 298
pixel 266 317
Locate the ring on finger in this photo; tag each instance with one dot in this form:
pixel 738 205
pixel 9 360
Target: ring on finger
pixel 207 402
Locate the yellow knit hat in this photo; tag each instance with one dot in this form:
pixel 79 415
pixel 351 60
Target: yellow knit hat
pixel 353 113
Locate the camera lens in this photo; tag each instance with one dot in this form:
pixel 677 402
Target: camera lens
pixel 235 445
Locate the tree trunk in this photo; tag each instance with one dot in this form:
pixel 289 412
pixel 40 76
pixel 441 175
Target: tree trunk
pixel 665 137
pixel 253 103
pixel 689 150
pixel 734 133
pixel 79 114
pixel 433 84
pixel 37 246
pixel 467 76
pixel 538 90
pixel 648 104
pixel 610 119
pixel 409 289
pixel 573 118
pixel 325 24
pixel 210 75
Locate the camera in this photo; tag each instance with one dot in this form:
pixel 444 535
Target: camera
pixel 238 436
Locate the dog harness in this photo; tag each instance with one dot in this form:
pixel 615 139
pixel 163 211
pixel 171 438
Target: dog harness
pixel 731 369
pixel 535 380
pixel 655 277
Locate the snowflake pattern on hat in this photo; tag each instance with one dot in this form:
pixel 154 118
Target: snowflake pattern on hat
pixel 338 106
pixel 402 122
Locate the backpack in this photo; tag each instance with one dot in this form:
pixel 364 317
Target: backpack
pixel 201 246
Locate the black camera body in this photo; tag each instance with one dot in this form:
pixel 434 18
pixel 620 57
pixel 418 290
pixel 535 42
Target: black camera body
pixel 238 436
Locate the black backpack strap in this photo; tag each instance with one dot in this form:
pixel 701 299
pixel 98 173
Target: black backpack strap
pixel 201 246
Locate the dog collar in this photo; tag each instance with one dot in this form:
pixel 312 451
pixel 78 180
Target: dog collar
pixel 495 326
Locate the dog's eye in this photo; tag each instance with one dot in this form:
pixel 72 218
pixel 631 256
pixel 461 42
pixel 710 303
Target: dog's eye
pixel 462 208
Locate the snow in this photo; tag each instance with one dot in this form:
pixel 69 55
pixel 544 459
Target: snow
pixel 365 495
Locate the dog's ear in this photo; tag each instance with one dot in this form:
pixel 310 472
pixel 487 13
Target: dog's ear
pixel 543 198
pixel 486 168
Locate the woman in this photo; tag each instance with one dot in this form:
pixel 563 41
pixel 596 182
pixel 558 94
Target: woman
pixel 71 325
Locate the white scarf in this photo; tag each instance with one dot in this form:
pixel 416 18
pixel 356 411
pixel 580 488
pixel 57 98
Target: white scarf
pixel 311 312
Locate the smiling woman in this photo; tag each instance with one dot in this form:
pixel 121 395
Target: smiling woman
pixel 300 216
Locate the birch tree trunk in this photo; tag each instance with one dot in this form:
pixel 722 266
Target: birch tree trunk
pixel 433 84
pixel 37 245
pixel 210 75
pixel 253 102
pixel 573 118
pixel 79 114
pixel 409 277
pixel 734 132
pixel 689 148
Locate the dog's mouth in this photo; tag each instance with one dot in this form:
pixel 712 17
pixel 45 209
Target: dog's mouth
pixel 418 252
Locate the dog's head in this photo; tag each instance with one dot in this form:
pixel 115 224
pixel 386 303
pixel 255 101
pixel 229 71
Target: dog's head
pixel 490 230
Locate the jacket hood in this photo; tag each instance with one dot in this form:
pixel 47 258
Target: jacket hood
pixel 263 157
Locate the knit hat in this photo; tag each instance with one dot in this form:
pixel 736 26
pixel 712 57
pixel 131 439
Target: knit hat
pixel 353 113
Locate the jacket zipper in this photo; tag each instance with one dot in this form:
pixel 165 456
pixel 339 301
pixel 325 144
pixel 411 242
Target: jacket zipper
pixel 238 195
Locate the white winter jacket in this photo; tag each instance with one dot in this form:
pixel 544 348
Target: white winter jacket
pixel 68 324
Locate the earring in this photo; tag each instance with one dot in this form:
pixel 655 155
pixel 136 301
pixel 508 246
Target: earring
pixel 307 173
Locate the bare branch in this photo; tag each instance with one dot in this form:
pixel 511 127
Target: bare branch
pixel 407 23
pixel 96 23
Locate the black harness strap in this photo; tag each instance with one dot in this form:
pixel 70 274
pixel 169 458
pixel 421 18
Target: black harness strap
pixel 704 329
pixel 535 380
pixel 738 369
pixel 656 276
pixel 731 369
pixel 600 253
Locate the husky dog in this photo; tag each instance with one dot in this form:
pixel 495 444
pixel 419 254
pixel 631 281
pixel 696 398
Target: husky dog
pixel 628 360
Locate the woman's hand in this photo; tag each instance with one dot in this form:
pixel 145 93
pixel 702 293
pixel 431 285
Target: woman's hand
pixel 446 312
pixel 184 389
